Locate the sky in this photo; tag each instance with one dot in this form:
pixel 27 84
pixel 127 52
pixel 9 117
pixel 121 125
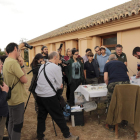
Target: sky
pixel 31 18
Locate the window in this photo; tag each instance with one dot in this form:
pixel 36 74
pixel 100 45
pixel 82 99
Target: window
pixel 110 41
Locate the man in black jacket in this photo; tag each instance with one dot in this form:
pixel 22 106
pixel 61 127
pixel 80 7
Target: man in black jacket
pixel 136 53
pixel 3 108
pixel 91 70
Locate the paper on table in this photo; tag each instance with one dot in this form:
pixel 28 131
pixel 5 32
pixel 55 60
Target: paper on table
pixel 76 109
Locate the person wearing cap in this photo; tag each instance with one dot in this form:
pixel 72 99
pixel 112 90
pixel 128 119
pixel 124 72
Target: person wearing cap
pixel 44 50
pixel 86 57
pixel 120 55
pixel 102 59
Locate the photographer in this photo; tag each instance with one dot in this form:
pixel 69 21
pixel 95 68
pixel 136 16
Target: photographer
pixel 75 73
pixel 44 51
pixel 14 76
pixel 47 99
pixel 35 65
pixel 67 57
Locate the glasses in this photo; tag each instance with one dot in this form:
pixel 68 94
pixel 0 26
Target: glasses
pixel 75 54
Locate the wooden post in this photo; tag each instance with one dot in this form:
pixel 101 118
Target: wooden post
pixel 116 131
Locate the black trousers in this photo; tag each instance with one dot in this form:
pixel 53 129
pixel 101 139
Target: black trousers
pixel 73 86
pixel 50 105
pixel 68 89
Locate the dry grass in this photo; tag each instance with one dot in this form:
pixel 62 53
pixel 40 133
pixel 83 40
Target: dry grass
pixel 90 131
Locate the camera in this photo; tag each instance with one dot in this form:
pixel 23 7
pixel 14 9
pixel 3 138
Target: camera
pixel 60 47
pixel 64 61
pixel 76 70
pixel 27 45
pixel 92 72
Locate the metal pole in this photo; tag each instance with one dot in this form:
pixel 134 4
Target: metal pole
pixel 27 102
pixel 54 127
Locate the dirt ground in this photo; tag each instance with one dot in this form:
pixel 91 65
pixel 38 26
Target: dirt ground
pixel 90 131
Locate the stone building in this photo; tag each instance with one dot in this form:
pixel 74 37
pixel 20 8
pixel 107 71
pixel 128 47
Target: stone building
pixel 118 25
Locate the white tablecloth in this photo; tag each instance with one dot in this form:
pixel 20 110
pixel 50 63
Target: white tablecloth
pixel 135 81
pixel 91 93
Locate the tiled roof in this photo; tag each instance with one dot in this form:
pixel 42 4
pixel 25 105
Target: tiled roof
pixel 118 12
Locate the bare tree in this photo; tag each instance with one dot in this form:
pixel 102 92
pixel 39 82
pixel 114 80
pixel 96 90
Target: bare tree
pixel 23 40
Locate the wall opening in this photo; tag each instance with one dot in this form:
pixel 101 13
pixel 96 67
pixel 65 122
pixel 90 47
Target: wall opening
pixel 110 41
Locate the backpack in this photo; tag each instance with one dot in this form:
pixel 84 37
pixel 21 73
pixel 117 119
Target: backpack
pixel 67 112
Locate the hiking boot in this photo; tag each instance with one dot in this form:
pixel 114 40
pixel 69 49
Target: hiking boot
pixel 72 137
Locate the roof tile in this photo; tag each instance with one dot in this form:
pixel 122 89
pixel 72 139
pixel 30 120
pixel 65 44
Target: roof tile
pixel 118 12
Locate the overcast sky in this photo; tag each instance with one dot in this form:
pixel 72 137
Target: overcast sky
pixel 32 18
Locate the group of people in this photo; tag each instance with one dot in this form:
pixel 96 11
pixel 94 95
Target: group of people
pixel 104 66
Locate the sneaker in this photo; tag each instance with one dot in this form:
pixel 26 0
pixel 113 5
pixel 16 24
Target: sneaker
pixel 72 137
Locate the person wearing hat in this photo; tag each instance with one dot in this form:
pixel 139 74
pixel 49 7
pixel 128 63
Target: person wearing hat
pixel 102 59
pixel 44 50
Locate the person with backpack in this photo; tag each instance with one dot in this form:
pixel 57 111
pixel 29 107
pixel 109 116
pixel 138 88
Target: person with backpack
pixel 15 78
pixel 35 65
pixel 50 81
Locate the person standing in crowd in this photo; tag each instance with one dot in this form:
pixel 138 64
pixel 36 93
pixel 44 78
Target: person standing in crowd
pixel 2 59
pixel 44 51
pixel 68 54
pixel 35 65
pixel 102 59
pixel 82 60
pixel 86 55
pixel 3 104
pixel 67 57
pixel 14 76
pixel 47 99
pixel 74 72
pixel 77 50
pixel 136 53
pixel 115 73
pixel 91 70
pixel 3 109
pixel 98 51
pixel 120 55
